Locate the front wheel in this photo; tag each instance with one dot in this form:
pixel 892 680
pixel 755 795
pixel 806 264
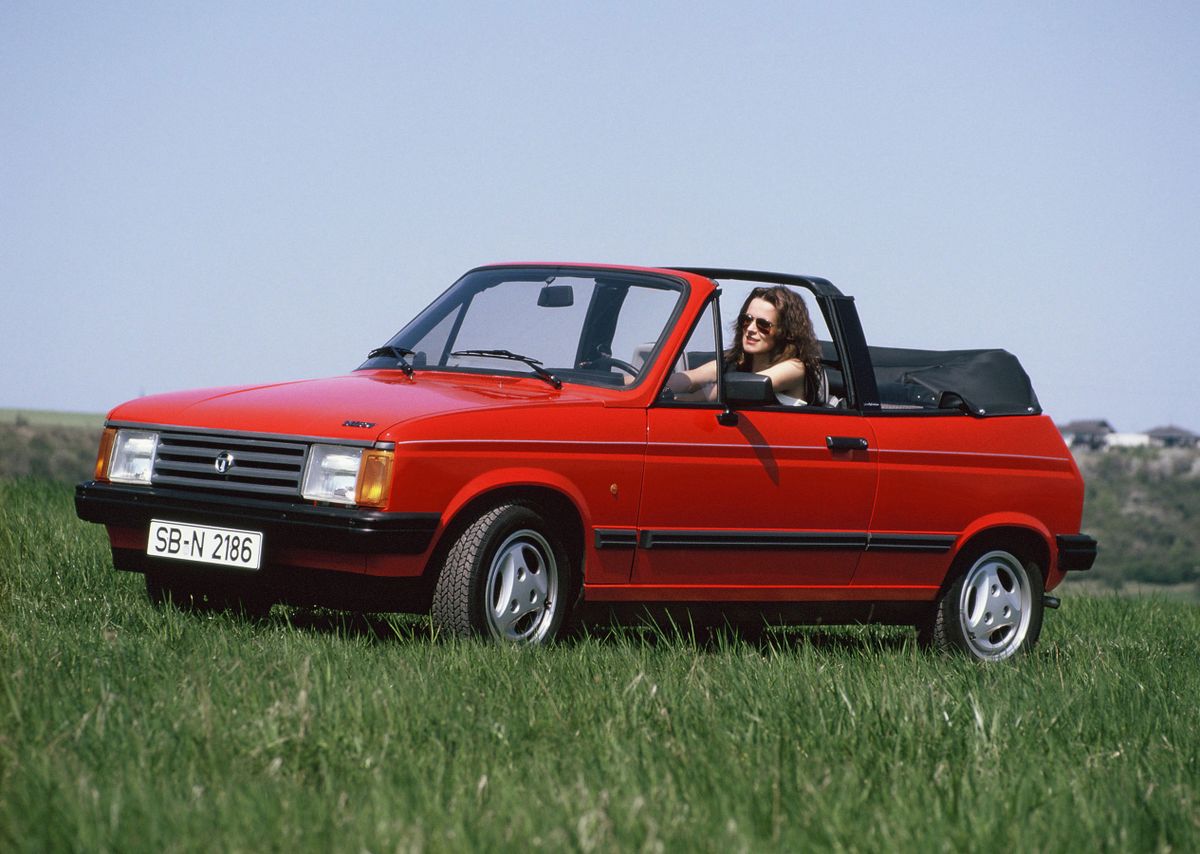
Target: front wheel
pixel 507 577
pixel 992 611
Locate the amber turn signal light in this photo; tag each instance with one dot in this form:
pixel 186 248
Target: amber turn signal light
pixel 374 479
pixel 104 456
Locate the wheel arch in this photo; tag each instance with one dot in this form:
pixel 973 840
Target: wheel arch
pixel 560 508
pixel 1026 539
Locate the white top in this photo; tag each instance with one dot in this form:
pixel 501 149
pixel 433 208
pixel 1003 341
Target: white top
pixel 788 400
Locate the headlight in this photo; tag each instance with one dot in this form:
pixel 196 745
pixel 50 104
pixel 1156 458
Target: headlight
pixel 133 456
pixel 343 475
pixel 331 474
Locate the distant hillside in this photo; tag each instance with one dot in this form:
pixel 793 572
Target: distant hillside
pixel 1143 505
pixel 37 445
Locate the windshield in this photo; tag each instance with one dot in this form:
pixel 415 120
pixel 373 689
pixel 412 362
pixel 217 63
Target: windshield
pixel 592 327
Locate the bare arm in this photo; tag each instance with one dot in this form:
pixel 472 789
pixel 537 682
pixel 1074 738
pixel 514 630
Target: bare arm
pixel 787 377
pixel 685 382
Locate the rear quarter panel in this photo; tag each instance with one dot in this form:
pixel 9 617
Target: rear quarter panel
pixel 962 476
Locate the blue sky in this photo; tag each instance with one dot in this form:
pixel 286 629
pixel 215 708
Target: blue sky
pixel 208 194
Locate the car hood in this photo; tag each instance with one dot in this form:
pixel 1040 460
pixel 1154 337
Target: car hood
pixel 366 405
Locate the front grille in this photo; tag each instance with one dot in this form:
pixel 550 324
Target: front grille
pixel 263 467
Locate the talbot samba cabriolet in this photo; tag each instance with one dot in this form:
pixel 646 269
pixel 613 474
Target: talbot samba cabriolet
pixel 548 438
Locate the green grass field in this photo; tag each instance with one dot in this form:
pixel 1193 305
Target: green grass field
pixel 128 728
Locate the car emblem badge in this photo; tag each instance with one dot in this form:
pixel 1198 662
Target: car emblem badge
pixel 223 462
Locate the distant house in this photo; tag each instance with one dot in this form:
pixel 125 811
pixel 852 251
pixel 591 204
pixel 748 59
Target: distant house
pixel 1087 434
pixel 1173 437
pixel 1127 440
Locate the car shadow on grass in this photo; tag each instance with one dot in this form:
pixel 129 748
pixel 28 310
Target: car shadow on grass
pixel 353 625
pixel 842 639
pixel 762 637
pixel 410 629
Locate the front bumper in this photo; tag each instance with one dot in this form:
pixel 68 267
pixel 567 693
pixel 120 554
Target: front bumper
pixel 1076 552
pixel 345 529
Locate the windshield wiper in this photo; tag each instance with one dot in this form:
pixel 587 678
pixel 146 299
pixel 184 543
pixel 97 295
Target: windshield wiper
pixel 397 353
pixel 514 357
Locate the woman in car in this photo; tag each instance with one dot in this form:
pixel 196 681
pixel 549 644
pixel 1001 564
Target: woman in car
pixel 773 336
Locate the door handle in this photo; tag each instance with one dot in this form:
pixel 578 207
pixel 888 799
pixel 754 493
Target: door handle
pixel 846 443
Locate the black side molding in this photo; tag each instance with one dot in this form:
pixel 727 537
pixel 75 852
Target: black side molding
pixel 932 543
pixel 1076 552
pixel 708 539
pixel 627 538
pixel 616 538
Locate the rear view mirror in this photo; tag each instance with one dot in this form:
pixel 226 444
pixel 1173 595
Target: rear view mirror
pixel 556 296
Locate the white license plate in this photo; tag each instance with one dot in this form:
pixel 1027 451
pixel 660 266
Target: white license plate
pixel 204 544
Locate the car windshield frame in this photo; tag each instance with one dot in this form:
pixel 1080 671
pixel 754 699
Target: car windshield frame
pixel 442 322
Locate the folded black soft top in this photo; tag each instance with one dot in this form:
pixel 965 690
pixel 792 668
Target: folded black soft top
pixel 984 382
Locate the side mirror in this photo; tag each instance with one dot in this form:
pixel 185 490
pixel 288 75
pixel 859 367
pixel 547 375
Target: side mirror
pixel 748 389
pixel 556 296
pixel 742 389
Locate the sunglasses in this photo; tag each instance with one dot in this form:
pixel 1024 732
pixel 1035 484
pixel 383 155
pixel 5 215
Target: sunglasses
pixel 763 326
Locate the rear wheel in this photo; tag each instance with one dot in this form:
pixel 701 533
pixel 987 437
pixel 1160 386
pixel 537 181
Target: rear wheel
pixel 507 576
pixel 992 611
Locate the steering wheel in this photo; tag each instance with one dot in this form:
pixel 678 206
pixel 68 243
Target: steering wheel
pixel 613 361
pixel 603 360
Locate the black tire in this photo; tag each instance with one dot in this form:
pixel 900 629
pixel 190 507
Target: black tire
pixel 991 611
pixel 506 577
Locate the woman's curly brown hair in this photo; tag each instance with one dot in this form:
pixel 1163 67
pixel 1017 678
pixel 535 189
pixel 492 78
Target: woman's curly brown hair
pixel 794 337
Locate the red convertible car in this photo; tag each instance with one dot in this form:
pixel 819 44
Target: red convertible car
pixel 545 437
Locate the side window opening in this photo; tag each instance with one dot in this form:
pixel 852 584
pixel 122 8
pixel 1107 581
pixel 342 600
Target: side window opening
pixel 700 349
pixel 831 387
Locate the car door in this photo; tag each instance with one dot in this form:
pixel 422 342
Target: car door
pixel 764 503
pixel 773 506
